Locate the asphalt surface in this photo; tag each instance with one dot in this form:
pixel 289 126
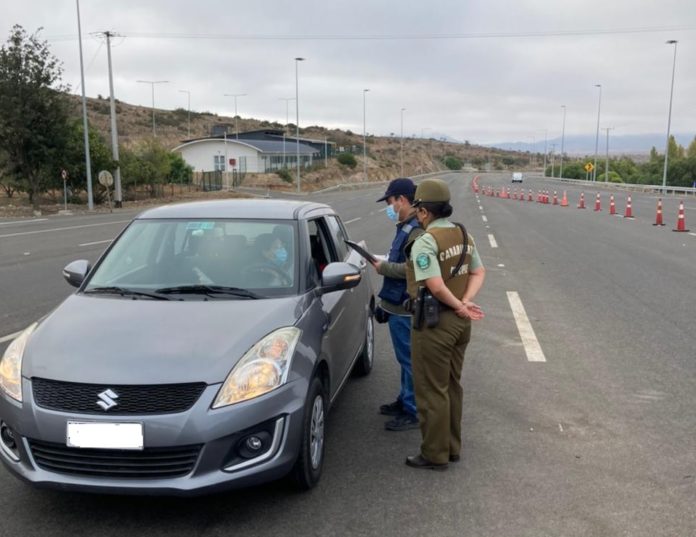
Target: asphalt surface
pixel 598 440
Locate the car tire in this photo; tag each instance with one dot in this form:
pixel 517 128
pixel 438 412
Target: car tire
pixel 310 460
pixel 365 361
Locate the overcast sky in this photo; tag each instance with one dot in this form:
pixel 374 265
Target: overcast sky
pixel 502 75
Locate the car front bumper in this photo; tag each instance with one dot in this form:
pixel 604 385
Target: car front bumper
pixel 213 436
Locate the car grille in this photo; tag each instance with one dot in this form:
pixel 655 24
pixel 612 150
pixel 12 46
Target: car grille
pixel 132 399
pixel 149 463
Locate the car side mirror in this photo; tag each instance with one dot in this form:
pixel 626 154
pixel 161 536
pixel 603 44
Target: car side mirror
pixel 75 272
pixel 339 276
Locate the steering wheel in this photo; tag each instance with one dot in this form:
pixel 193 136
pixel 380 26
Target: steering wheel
pixel 285 279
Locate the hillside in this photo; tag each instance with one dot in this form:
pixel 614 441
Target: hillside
pixel 420 155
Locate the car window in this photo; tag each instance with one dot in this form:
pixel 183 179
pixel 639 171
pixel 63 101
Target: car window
pixel 321 245
pixel 338 235
pixel 251 254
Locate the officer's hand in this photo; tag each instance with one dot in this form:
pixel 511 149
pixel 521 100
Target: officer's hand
pixel 469 310
pixel 376 264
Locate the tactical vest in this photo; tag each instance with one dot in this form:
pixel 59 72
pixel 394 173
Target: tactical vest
pixel 393 289
pixel 449 250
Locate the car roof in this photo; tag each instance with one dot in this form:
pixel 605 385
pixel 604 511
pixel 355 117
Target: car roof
pixel 274 209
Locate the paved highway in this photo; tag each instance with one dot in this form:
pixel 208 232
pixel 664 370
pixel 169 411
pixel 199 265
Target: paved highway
pixel 579 412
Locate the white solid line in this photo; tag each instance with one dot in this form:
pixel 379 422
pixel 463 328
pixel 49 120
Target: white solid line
pixel 491 239
pixel 483 217
pixel 529 339
pixel 382 209
pixel 23 221
pixel 694 234
pixel 353 220
pixel 62 228
pixel 95 242
pixel 9 337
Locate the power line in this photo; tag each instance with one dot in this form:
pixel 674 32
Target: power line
pixel 393 37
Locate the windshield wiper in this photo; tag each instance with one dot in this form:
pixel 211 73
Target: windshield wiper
pixel 124 291
pixel 200 289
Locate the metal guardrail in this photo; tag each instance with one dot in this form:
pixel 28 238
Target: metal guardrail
pixel 674 190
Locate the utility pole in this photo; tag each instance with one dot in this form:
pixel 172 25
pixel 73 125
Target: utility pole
pixel 118 196
pixel 669 116
pixel 85 127
pixel 152 83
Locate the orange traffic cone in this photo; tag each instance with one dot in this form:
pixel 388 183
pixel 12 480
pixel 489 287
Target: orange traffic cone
pixel 581 205
pixel 629 209
pixel 555 198
pixel 658 214
pixel 681 219
pixel 598 203
pixel 612 205
pixel 564 200
pixel 530 195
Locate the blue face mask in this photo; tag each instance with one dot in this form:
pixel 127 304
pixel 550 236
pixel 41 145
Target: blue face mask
pixel 280 256
pixel 392 214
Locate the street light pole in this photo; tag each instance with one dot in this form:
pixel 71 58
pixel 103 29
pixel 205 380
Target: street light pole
pixel 546 135
pixel 553 159
pixel 235 95
pixel 560 173
pixel 152 83
pixel 669 115
pixel 596 144
pixel 189 109
pixel 402 141
pixel 297 122
pixel 606 165
pixel 85 127
pixel 287 122
pixel 364 135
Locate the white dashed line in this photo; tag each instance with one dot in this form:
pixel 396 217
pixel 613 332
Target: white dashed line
pixel 694 234
pixel 95 242
pixel 483 217
pixel 23 221
pixel 481 207
pixel 383 209
pixel 529 339
pixel 9 337
pixel 353 220
pixel 491 239
pixel 62 229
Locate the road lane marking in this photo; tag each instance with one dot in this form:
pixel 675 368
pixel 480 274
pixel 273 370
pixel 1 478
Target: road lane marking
pixel 61 229
pixel 9 337
pixel 483 217
pixel 694 234
pixel 23 221
pixel 383 209
pixel 480 207
pixel 95 242
pixel 491 239
pixel 529 339
pixel 353 220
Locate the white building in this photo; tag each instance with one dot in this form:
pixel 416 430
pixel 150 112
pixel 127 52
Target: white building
pixel 227 154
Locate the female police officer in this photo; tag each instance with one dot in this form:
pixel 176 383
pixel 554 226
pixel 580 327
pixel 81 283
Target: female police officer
pixel 444 263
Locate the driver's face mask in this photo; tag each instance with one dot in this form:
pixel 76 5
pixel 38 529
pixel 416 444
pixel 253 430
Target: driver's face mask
pixel 280 255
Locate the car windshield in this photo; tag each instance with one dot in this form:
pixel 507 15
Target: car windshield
pixel 222 258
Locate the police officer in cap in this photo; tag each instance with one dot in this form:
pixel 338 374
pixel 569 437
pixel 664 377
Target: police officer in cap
pixel 399 197
pixel 444 263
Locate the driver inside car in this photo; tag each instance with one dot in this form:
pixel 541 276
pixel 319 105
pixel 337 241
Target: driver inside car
pixel 269 266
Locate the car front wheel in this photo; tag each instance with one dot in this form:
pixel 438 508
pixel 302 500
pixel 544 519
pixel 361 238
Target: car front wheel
pixel 363 365
pixel 309 463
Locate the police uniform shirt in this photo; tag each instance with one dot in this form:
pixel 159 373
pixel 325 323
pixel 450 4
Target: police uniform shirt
pixel 424 253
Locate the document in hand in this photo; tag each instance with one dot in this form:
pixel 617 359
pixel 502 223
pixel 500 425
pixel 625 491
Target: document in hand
pixel 367 255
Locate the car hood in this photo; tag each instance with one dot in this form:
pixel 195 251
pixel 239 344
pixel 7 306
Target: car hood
pixel 100 340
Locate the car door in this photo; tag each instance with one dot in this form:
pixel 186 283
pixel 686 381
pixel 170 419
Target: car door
pixel 336 342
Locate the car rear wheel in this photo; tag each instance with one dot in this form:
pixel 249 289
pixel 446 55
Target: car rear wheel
pixel 310 461
pixel 363 365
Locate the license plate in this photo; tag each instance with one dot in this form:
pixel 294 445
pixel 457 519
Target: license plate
pixel 102 435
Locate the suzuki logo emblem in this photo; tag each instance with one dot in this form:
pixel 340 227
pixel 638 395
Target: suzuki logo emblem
pixel 107 399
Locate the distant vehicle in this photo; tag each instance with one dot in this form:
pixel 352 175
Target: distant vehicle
pixel 202 352
pixel 517 177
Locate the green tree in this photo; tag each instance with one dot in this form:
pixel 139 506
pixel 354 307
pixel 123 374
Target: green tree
pixel 148 164
pixel 72 160
pixel 691 151
pixel 676 151
pixel 179 171
pixel 33 111
pixel 453 163
pixel 347 159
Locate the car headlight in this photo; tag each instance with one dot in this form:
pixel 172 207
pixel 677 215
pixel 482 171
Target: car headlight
pixel 11 365
pixel 262 369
